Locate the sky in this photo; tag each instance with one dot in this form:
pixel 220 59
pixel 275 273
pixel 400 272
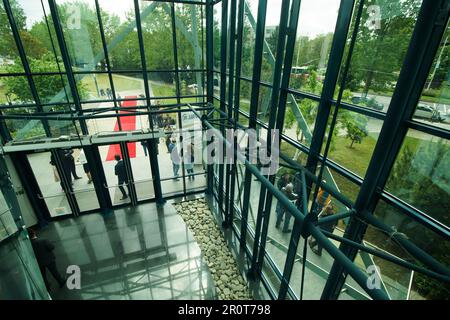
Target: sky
pixel 316 16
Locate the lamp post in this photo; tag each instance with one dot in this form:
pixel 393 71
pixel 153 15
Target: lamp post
pixel 96 84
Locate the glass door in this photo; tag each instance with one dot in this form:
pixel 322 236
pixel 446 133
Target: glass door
pixel 51 179
pixel 140 166
pixel 83 188
pixel 117 177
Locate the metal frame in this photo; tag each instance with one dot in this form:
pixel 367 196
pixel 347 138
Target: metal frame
pixel 326 100
pixel 397 121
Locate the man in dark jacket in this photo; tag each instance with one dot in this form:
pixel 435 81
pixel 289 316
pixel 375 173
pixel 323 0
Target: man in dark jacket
pixel 121 174
pixel 43 250
pixel 329 227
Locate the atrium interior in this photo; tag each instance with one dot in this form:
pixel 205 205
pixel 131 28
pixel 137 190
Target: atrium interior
pixel 224 150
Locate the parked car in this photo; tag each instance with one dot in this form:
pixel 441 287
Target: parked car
pixel 426 112
pixel 369 102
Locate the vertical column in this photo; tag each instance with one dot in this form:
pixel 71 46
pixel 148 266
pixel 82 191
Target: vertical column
pixel 428 31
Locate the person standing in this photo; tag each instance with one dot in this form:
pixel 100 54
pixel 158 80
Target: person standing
pixel 329 227
pixel 174 156
pixel 323 199
pixel 189 161
pixel 68 154
pixel 168 138
pixel 284 180
pixel 281 210
pixel 82 160
pixel 43 250
pixel 121 174
pixel 65 166
pixel 144 144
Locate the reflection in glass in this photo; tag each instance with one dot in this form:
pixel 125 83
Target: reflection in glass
pixel 379 52
pixel 119 23
pixel 354 139
pixel 427 240
pixel 117 180
pixel 48 177
pixel 313 44
pixel 421 173
pixel 156 29
pixel 434 104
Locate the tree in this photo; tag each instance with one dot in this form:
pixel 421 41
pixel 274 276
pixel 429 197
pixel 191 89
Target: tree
pixel 8 47
pixel 355 126
pixel 378 53
pixel 46 86
pixel 418 177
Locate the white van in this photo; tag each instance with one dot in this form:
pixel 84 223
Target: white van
pixel 426 112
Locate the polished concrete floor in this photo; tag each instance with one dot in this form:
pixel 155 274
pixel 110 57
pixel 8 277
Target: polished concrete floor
pixel 145 252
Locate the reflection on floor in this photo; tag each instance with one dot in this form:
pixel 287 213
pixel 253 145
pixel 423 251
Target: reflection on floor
pixel 145 252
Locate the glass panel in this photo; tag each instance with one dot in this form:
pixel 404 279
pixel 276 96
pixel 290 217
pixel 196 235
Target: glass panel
pixel 140 165
pixel 249 37
pixel 117 184
pixel 433 107
pixel 379 52
pixel 95 86
pixel 64 127
pixel 82 35
pixel 193 152
pixel 38 36
pixel 421 173
pixel 245 91
pixel 169 158
pixel 217 31
pixel 270 39
pixel 353 141
pixel 313 44
pixel 343 185
pixel 190 38
pixel 24 129
pixel 293 153
pixel 351 290
pixel 9 62
pixel 20 278
pixel 156 30
pixel 162 84
pixel 83 188
pixel 128 84
pixel 191 83
pixel 98 125
pixel 48 177
pixel 15 90
pixel 300 118
pixel 121 35
pixel 422 237
pixel 265 96
pixel 54 89
pixel 7 224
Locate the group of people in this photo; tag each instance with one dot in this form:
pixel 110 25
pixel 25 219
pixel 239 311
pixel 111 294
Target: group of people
pixel 187 156
pixel 322 206
pixel 107 93
pixel 66 156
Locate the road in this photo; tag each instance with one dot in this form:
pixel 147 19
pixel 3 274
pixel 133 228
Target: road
pixel 444 109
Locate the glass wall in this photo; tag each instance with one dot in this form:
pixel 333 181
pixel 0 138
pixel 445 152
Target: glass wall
pixel 410 196
pixel 101 45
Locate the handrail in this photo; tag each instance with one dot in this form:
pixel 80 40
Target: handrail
pixel 306 225
pixel 115 186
